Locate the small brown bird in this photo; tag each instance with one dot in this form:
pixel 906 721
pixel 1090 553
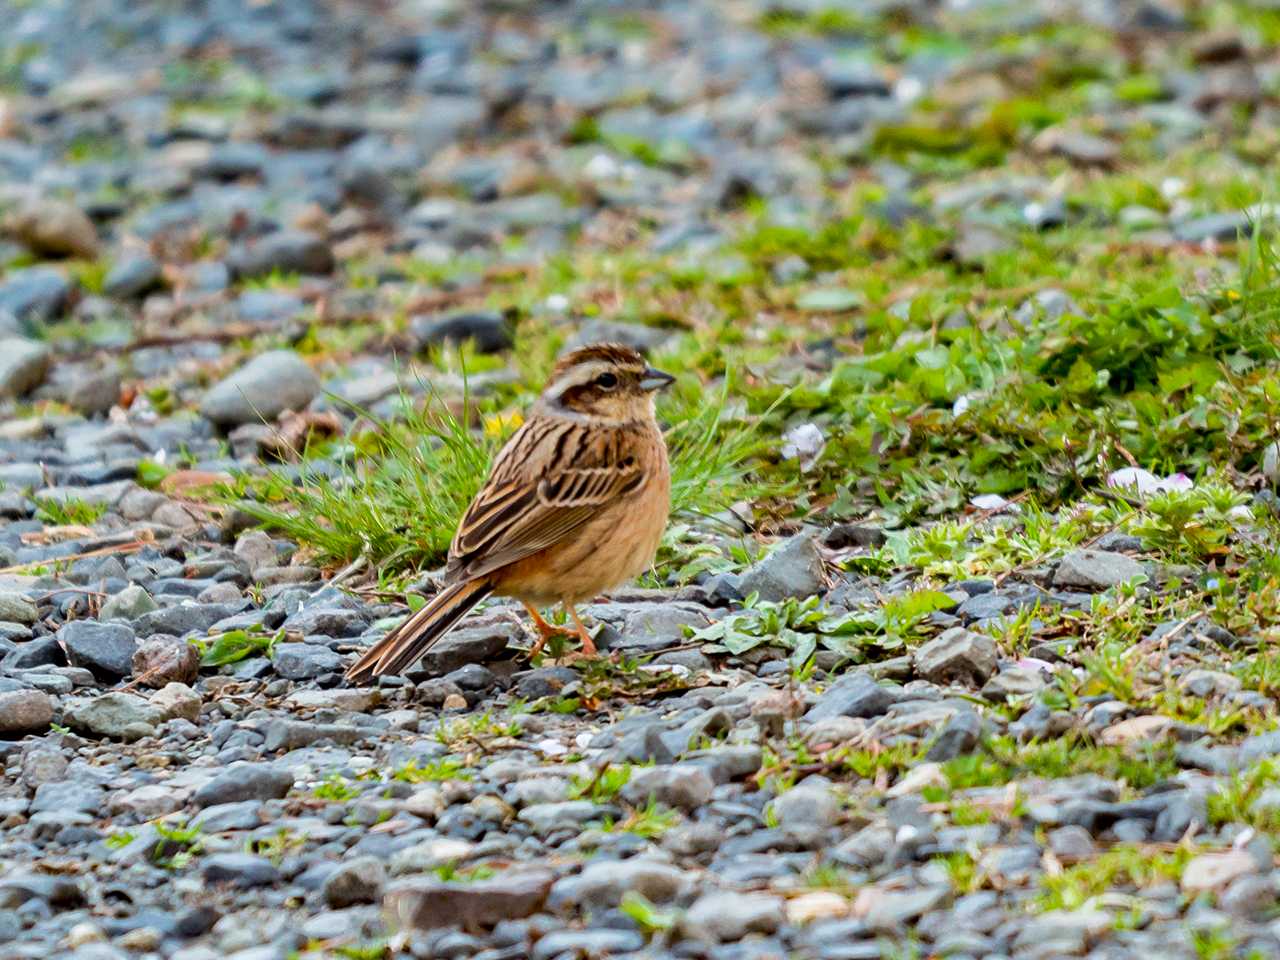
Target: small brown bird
pixel 575 504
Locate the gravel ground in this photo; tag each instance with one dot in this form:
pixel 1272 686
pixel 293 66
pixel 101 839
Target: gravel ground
pixel 203 204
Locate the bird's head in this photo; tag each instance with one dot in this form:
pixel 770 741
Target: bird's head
pixel 604 381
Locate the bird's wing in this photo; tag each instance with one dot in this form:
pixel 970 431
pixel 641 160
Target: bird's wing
pixel 548 480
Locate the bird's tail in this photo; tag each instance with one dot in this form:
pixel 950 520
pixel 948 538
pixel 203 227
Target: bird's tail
pixel 395 652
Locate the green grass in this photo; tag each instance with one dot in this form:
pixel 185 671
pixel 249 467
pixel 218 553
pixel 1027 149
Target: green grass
pixel 452 873
pixel 275 846
pixel 475 727
pixel 603 786
pixel 435 771
pixel 651 820
pixel 336 789
pixel 69 512
pixel 1122 867
pixel 177 844
pixel 236 645
pixel 1003 761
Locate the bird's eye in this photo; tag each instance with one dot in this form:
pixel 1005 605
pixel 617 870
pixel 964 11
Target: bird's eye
pixel 607 380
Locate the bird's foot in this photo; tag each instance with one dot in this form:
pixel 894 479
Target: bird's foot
pixel 588 644
pixel 545 631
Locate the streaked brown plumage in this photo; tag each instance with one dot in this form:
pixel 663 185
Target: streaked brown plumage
pixel 574 505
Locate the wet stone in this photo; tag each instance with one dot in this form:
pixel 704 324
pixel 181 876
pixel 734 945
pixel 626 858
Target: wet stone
pixel 241 870
pixel 427 903
pixel 24 711
pixel 265 387
pixel 106 649
pixel 1095 570
pixel 287 251
pixel 792 569
pixel 119 716
pixel 245 781
pixel 854 694
pixel 957 655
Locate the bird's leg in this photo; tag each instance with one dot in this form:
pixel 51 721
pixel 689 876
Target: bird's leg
pixel 588 645
pixel 545 630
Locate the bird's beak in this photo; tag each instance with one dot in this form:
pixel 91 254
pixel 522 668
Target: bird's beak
pixel 653 379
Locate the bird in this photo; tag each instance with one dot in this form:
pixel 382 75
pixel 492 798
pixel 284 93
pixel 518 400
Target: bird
pixel 575 504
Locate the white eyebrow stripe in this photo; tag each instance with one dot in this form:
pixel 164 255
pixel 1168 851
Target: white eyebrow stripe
pixel 576 377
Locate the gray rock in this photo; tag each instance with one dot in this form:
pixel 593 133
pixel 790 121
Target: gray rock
pixel 1095 570
pixel 244 815
pixel 635 335
pixel 105 648
pixel 34 295
pixel 182 619
pixel 23 366
pixel 794 568
pixel 542 682
pixel 260 306
pixel 427 903
pixel 119 716
pixel 724 916
pixel 728 763
pixel 1249 897
pixel 262 389
pixel 1051 304
pixel 41 766
pixel 891 910
pixel 1260 746
pixel 1072 843
pixel 587 943
pixel 241 870
pixel 359 880
pixel 975 243
pixel 304 661
pixel 131 276
pixel 41 652
pixel 1080 148
pixel 56 228
pixel 807 807
pixel 1013 682
pixel 93 392
pixel 649 626
pixel 1209 683
pixel 985 606
pixel 957 654
pixel 257 549
pixel 294 734
pixel 1185 810
pixel 235 159
pixel 958 737
pixel 321 621
pixel 1062 932
pixel 685 786
pixel 25 711
pixel 23 476
pixel 854 694
pixel 546 818
pixel 17 888
pixel 56 684
pixel 490 331
pixel 286 251
pixel 1222 227
pixel 67 797
pixel 604 883
pixel 644 744
pixel 17 608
